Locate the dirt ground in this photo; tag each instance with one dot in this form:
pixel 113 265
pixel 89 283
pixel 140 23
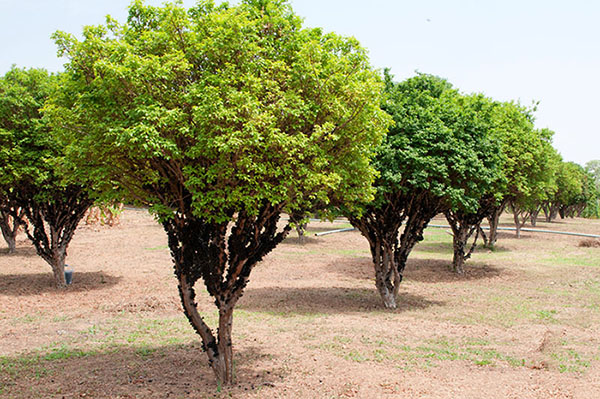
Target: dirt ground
pixel 523 322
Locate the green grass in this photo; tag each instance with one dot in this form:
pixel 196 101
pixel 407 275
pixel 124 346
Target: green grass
pixel 584 257
pixel 428 354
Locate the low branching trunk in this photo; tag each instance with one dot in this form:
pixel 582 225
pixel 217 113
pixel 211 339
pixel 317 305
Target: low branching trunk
pixel 520 217
pixel 299 221
pixel 204 250
pixel 380 225
pixel 550 209
pixel 9 224
pixel 534 215
pixel 52 224
pixel 493 220
pixel 464 225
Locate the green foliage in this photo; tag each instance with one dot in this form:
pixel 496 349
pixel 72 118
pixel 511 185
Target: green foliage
pixel 592 189
pixel 222 107
pixel 440 142
pixel 530 160
pixel 27 153
pixel 570 180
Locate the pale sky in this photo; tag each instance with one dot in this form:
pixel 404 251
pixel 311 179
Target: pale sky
pixel 543 50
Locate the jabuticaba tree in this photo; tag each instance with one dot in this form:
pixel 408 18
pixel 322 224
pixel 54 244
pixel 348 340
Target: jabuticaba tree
pixel 572 192
pixel 33 175
pixel 219 119
pixel 475 117
pixel 540 162
pixel 464 224
pixel 527 165
pixel 426 157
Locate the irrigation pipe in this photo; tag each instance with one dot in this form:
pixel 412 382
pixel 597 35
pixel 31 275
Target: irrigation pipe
pixel 334 231
pixel 566 233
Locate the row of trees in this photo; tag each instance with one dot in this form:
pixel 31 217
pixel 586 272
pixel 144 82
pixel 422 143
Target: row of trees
pixel 221 118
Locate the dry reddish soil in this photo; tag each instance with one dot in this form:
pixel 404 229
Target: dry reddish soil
pixel 523 322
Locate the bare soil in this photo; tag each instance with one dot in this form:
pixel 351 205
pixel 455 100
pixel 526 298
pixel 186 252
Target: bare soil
pixel 523 322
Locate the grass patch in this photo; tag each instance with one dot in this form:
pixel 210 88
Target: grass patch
pixel 428 354
pixel 583 257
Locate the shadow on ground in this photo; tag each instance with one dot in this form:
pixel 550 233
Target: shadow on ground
pixel 421 270
pixel 436 271
pixel 293 239
pixel 33 284
pixel 179 371
pixel 20 251
pixel 324 300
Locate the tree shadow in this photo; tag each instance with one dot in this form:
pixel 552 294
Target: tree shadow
pixel 139 372
pixel 446 248
pixel 324 300
pixel 20 251
pixel 436 271
pixel 33 284
pixel 293 239
pixel 421 270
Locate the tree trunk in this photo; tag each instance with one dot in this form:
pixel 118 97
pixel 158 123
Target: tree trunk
pixel 387 279
pixel 483 236
pixel 534 215
pixel 221 256
pixel 546 209
pixel 301 229
pixel 58 270
pixel 7 233
pixel 9 225
pixel 459 242
pixel 464 225
pixel 517 224
pixel 494 220
pixel 380 226
pixel 216 359
pixel 224 372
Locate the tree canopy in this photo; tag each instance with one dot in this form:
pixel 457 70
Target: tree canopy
pixel 219 118
pixel 34 179
pixel 437 155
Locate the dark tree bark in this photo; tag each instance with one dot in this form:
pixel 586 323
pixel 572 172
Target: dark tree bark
pixel 203 250
pixel 297 219
pixel 534 215
pixel 464 225
pixel 561 211
pixel 380 225
pixel 52 223
pixel 520 216
pixel 9 224
pixel 493 220
pixel 546 209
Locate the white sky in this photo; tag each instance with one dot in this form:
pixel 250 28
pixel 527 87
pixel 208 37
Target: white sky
pixel 544 50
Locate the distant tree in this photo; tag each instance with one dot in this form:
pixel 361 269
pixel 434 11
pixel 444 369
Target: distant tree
pixel 479 193
pixel 527 166
pixel 220 118
pixel 425 164
pixel 32 179
pixel 540 175
pixel 593 168
pixel 592 185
